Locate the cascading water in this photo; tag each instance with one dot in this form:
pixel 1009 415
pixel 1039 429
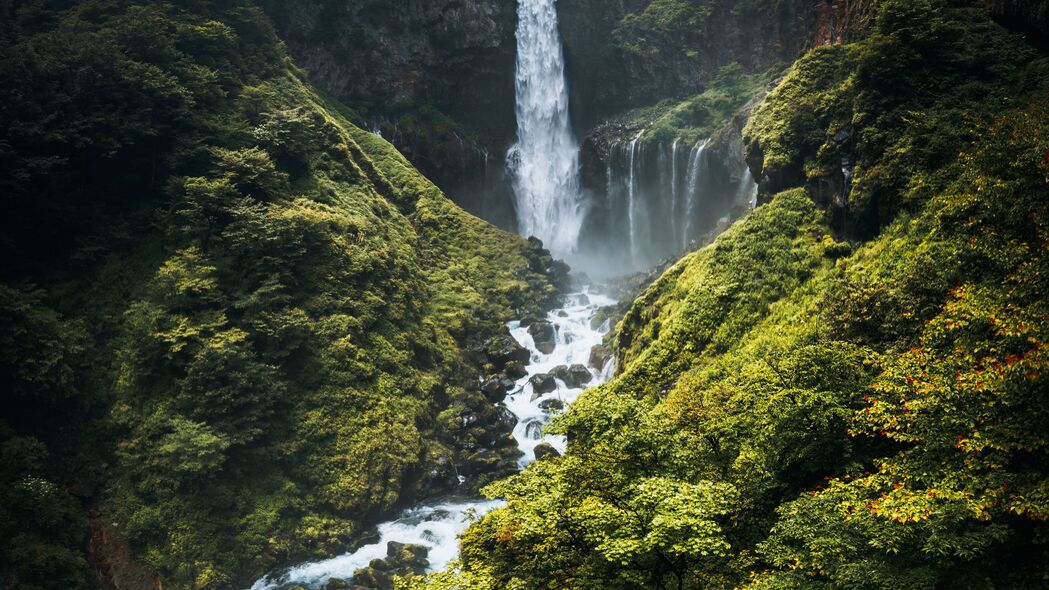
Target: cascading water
pixel 632 191
pixel 696 172
pixel 436 524
pixel 544 163
pixel 674 189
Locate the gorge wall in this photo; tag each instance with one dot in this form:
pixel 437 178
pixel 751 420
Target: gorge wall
pixel 435 77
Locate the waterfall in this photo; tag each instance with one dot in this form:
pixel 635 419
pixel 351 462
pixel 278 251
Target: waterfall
pixel 696 170
pixel 748 188
pixel 674 190
pixel 544 163
pixel 632 190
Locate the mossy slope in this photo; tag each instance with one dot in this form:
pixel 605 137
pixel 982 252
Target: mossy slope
pixel 797 411
pixel 235 316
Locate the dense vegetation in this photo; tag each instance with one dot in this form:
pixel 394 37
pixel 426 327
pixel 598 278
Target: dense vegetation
pixel 237 328
pixel 701 116
pixel 845 391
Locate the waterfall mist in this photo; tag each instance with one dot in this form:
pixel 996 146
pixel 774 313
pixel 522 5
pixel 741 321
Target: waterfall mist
pixel 544 163
pixel 660 200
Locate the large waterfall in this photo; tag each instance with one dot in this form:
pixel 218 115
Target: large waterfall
pixel 544 163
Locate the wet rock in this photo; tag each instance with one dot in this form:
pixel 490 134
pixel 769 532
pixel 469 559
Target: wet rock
pixel 578 376
pixel 583 299
pixel 506 442
pixel 546 347
pixel 407 556
pixel 507 419
pixel 542 331
pixel 543 383
pixel 545 451
pixel 516 369
pixel 526 322
pixel 494 390
pixel 551 405
pixel 337 584
pixel 574 377
pixel 534 430
pixel 507 383
pixel 502 350
pixel 599 355
pixel 561 372
pixel 370 577
pixel 485 461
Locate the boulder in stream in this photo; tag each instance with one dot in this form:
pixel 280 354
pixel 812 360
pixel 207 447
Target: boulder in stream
pixel 551 405
pixel 503 349
pixel 515 370
pixel 401 560
pixel 544 335
pixel 545 451
pixel 578 376
pixel 494 390
pixel 574 377
pixel 543 383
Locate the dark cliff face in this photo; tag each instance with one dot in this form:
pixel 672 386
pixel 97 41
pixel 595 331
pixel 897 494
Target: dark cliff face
pixel 382 57
pixel 626 57
pixel 1028 16
pixel 435 77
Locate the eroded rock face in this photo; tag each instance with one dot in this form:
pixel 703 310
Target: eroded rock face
pixel 614 66
pixel 390 59
pixel 1030 16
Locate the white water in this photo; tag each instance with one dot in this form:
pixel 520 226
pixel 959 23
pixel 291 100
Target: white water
pixel 696 171
pixel 674 189
pixel 632 191
pixel 544 163
pixel 437 524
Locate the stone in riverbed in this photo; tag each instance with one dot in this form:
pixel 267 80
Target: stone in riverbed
pixel 515 369
pixel 545 451
pixel 574 377
pixel 502 350
pixel 370 577
pixel 599 355
pixel 543 383
pixel 550 405
pixel 506 418
pixel 407 556
pixel 494 390
pixel 542 331
pixel 546 347
pixel 578 376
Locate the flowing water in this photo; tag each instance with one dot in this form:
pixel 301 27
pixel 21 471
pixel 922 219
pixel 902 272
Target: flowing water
pixel 661 197
pixel 544 163
pixel 436 524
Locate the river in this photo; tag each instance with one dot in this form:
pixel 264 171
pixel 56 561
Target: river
pixel 437 523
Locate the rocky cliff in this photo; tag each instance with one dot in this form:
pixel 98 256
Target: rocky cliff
pixel 434 77
pixel 639 52
pixel 1030 16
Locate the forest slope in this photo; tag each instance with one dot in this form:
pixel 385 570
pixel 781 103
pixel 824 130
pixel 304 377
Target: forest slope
pixel 847 389
pixel 237 328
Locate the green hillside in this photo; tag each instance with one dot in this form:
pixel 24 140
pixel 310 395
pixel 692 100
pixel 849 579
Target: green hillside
pixel 845 392
pixel 233 319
